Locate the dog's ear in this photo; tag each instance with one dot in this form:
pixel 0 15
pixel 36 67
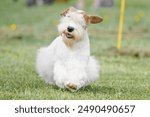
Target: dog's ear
pixel 95 19
pixel 86 18
pixel 70 9
pixel 64 12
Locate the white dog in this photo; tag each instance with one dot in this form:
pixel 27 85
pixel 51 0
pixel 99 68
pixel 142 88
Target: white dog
pixel 66 62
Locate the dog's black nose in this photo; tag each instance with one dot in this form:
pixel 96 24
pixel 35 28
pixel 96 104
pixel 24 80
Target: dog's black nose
pixel 70 29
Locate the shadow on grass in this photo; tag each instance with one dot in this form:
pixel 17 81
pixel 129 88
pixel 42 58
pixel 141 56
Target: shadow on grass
pixel 89 89
pixel 99 89
pixel 92 89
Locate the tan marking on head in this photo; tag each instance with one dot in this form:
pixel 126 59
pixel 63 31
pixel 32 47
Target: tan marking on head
pixel 64 12
pixel 68 10
pixel 86 18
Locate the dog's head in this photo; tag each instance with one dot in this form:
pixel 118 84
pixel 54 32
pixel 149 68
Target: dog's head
pixel 73 25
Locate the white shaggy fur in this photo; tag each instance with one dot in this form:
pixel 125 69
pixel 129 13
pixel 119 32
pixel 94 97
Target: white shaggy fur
pixel 61 64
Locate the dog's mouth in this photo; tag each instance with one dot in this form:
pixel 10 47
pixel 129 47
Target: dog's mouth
pixel 68 35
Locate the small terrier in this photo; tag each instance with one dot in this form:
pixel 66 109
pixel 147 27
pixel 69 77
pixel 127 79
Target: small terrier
pixel 67 62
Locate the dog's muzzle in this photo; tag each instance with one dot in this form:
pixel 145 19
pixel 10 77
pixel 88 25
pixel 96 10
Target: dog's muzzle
pixel 68 35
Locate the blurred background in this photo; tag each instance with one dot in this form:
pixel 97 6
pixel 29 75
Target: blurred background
pixel 26 25
pixel 38 19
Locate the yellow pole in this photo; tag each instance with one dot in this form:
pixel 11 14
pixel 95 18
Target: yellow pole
pixel 119 42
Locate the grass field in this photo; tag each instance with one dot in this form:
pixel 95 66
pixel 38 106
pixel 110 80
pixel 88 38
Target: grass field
pixel 125 74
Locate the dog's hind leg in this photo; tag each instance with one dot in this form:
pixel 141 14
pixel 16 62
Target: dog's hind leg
pixel 93 69
pixel 44 65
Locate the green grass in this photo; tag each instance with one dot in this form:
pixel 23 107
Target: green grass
pixel 121 77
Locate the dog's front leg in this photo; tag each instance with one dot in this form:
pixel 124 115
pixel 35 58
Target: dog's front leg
pixel 76 75
pixel 69 76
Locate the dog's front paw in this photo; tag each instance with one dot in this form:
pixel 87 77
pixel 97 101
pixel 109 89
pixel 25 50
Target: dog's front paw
pixel 72 87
